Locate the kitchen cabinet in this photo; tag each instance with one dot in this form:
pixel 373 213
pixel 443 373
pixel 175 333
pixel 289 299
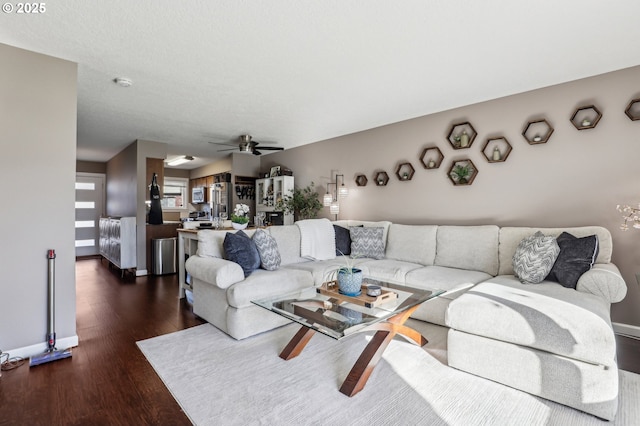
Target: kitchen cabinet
pixel 118 241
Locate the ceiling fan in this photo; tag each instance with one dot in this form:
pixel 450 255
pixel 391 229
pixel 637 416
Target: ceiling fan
pixel 245 144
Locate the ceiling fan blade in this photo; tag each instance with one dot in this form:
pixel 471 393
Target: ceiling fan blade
pixel 272 148
pixel 228 149
pixel 256 152
pixel 223 143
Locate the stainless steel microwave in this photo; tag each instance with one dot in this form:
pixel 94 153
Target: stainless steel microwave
pixel 198 195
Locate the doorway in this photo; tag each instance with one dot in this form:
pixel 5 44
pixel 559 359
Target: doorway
pixel 90 196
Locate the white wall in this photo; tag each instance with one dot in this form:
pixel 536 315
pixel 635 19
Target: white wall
pixel 38 142
pixel 577 178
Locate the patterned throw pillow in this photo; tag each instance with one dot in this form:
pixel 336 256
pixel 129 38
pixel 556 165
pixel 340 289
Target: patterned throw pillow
pixel 367 242
pixel 535 257
pixel 268 250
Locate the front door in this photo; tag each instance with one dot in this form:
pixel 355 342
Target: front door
pixel 90 196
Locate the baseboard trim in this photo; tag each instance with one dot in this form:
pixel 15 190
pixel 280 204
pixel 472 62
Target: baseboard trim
pixel 29 351
pixel 626 330
pixel 141 272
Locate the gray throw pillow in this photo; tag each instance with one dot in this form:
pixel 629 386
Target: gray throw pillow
pixel 577 256
pixel 535 257
pixel 268 250
pixel 241 249
pixel 367 242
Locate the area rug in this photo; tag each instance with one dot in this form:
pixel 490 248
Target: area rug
pixel 220 381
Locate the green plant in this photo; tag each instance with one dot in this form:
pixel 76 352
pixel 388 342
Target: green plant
pixel 461 173
pixel 304 203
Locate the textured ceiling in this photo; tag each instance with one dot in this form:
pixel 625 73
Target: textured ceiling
pixel 300 71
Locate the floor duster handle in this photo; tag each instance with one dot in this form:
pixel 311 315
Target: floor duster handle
pixel 51 334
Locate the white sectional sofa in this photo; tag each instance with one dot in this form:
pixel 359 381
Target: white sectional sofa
pixel 544 339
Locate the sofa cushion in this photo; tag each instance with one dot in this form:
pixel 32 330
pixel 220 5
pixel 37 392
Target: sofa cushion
pixel 210 242
pixel 262 284
pixel 577 256
pixel 267 249
pixel 288 240
pixel 534 257
pixel 367 242
pixel 468 247
pixel 412 243
pixel 451 280
pixel 394 271
pixel 544 316
pixel 510 237
pixel 321 270
pixel 241 249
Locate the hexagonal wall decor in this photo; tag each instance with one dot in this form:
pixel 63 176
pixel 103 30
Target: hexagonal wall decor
pixel 461 135
pixel 431 158
pixel 496 150
pixel 381 178
pixel 405 171
pixel 361 180
pixel 633 110
pixel 462 172
pixel 537 132
pixel 586 117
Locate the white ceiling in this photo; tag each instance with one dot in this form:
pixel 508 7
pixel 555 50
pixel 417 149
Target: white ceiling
pixel 300 71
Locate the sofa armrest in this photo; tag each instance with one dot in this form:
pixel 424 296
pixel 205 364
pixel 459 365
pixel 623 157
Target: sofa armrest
pixel 603 280
pixel 219 272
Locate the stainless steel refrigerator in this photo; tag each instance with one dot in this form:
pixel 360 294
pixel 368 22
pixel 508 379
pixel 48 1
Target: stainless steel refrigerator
pixel 221 198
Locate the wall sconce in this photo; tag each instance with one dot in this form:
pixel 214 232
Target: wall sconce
pixel 331 199
pixel 180 160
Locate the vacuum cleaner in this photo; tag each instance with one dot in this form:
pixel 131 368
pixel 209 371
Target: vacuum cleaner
pixel 51 354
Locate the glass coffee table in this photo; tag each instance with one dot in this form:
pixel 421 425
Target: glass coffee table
pixel 339 316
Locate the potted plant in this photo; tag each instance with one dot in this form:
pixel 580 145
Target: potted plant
pixel 461 173
pixel 349 277
pixel 304 203
pixel 240 216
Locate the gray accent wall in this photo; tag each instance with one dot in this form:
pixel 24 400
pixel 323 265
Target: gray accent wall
pixel 575 179
pixel 38 140
pixel 127 189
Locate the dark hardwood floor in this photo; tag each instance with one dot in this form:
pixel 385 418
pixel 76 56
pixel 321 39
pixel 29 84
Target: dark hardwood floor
pixel 108 381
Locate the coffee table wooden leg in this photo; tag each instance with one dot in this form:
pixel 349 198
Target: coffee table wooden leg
pixel 297 343
pixel 362 369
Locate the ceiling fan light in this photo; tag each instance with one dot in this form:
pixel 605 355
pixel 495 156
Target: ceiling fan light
pixel 246 147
